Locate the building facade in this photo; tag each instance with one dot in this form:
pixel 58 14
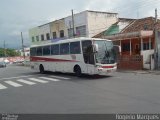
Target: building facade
pixel 40 34
pixel 58 29
pixel 137 41
pixel 86 24
pixel 116 28
pixel 89 23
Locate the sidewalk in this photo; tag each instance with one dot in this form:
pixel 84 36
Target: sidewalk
pixel 155 72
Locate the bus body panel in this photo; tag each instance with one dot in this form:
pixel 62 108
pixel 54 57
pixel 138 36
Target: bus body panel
pixel 66 63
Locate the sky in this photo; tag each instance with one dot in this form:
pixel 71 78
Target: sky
pixel 18 16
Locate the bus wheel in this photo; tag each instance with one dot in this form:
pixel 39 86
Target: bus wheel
pixel 77 71
pixel 41 69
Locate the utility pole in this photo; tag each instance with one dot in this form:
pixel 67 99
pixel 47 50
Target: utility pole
pixel 4 48
pixel 73 23
pixel 156 47
pixel 22 46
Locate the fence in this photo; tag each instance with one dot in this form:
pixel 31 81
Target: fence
pixel 133 62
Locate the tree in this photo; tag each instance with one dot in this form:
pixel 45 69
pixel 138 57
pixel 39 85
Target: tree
pixel 9 52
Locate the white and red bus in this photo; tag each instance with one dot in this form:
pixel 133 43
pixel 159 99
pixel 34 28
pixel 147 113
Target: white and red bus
pixel 78 55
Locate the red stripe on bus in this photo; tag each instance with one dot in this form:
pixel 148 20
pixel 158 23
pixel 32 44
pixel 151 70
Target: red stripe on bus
pixel 38 59
pixel 107 66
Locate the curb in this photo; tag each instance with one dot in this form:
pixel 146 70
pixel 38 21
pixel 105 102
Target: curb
pixel 140 72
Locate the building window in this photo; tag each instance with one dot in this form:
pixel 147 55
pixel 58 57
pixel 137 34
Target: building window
pixel 75 48
pixel 126 47
pixel 33 39
pixel 54 35
pixel 37 38
pixel 42 37
pixel 81 31
pixel 48 36
pixel 55 49
pixel 61 33
pixel 64 49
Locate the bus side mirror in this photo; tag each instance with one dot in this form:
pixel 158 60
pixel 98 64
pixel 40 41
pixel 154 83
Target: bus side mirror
pixel 95 48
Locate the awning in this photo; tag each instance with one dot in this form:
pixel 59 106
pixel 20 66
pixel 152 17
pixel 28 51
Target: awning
pixel 123 36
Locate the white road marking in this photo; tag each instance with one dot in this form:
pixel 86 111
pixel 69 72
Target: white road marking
pixel 2 87
pixel 51 79
pixel 14 84
pixel 16 77
pixel 26 82
pixel 59 77
pixel 38 80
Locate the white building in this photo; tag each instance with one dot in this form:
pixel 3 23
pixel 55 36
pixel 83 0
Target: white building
pixel 89 23
pixel 86 24
pixel 40 34
pixel 26 52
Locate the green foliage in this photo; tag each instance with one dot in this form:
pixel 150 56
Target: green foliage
pixel 9 52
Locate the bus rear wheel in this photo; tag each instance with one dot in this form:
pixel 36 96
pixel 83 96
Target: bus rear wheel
pixel 77 71
pixel 41 69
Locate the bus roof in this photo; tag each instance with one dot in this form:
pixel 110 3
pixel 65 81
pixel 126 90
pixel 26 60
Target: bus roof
pixel 69 40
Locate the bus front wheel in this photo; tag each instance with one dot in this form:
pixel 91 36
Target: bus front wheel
pixel 41 69
pixel 77 71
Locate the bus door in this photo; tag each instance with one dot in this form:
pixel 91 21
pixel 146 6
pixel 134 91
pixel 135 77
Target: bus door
pixel 88 56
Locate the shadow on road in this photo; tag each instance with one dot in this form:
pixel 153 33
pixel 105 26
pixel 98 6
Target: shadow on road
pixel 83 77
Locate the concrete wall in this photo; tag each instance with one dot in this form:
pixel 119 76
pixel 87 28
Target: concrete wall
pixel 100 21
pixel 146 58
pixel 44 29
pixel 57 26
pixel 122 25
pixel 33 32
pixel 80 19
pixel 38 31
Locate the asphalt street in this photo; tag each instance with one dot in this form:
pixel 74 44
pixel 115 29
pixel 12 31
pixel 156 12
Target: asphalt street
pixel 23 90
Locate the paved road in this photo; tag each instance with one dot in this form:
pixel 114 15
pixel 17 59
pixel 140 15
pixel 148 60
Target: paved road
pixel 25 91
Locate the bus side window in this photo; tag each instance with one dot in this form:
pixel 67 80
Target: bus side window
pixel 39 51
pixel 46 50
pixel 64 49
pixel 75 48
pixel 55 49
pixel 88 52
pixel 33 52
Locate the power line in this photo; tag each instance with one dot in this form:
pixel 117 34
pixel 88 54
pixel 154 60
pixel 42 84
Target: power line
pixel 126 9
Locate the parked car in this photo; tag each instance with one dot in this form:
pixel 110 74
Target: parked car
pixel 2 64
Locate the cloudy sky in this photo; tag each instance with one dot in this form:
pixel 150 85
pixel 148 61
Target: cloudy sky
pixel 21 15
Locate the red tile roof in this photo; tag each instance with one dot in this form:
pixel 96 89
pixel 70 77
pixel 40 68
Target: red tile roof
pixel 144 24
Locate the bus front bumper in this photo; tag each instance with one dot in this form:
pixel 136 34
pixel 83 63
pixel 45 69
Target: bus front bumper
pixel 104 71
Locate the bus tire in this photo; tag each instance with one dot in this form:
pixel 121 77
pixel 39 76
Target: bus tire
pixel 41 69
pixel 78 71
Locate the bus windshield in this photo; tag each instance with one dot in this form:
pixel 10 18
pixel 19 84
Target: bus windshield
pixel 106 53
